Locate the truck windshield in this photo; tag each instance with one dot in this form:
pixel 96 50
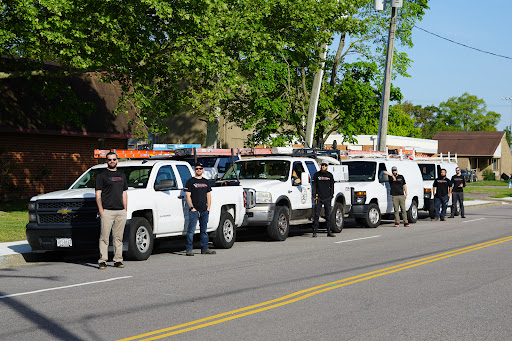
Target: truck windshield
pixel 136 177
pixel 361 170
pixel 260 169
pixel 428 171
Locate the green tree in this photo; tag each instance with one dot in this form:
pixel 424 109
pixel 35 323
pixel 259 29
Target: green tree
pixel 466 113
pixel 424 118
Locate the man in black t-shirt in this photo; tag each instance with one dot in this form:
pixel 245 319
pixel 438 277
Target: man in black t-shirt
pixel 442 191
pixel 198 192
pixel 458 183
pixel 398 191
pixel 112 201
pixel 323 192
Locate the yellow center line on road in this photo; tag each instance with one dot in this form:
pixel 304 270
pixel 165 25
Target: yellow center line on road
pixel 303 294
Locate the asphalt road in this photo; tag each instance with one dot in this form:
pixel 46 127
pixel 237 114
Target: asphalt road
pixel 433 281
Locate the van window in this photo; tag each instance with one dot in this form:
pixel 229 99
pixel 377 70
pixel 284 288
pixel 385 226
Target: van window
pixel 165 173
pixel 427 171
pixel 382 168
pixel 361 170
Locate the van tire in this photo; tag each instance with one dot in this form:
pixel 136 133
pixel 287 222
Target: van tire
pixel 412 212
pixel 225 235
pixel 140 239
pixel 373 216
pixel 337 218
pixel 280 226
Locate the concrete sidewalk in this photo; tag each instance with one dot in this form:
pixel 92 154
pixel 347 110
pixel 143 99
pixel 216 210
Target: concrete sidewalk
pixel 16 253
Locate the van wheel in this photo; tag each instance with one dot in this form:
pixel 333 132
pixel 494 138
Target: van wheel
pixel 225 235
pixel 412 213
pixel 280 225
pixel 140 239
pixel 337 219
pixel 372 218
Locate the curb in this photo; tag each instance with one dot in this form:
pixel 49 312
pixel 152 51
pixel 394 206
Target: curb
pixel 9 261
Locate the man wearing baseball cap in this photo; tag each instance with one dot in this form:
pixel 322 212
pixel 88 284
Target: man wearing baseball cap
pixel 398 191
pixel 323 192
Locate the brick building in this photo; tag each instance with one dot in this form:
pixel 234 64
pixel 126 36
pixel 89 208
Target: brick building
pixel 48 138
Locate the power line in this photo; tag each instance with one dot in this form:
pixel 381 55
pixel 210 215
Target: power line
pixel 469 47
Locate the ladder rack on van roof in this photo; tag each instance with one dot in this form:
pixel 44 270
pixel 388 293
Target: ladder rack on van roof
pixel 401 154
pixel 132 154
pixel 448 158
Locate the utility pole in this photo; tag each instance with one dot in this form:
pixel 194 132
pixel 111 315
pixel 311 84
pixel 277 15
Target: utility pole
pixel 509 99
pixel 384 108
pixel 315 95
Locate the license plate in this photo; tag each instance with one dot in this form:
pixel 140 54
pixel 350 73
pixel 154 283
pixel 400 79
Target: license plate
pixel 64 242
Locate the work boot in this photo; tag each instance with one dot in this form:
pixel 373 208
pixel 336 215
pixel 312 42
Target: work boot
pixel 442 219
pixel 118 265
pixel 462 216
pixel 314 235
pixel 330 234
pixel 208 252
pixel 102 266
pixel 451 216
pixel 435 219
pixel 189 253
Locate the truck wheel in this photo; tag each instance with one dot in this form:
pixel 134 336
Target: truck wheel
pixel 337 220
pixel 372 218
pixel 225 235
pixel 412 213
pixel 140 240
pixel 280 225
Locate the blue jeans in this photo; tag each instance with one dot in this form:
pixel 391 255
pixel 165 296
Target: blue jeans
pixel 443 201
pixel 193 217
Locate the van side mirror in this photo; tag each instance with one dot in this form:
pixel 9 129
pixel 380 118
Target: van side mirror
pixel 384 178
pixel 165 185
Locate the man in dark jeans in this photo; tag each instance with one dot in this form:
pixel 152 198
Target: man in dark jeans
pixel 458 183
pixel 198 192
pixel 442 191
pixel 323 192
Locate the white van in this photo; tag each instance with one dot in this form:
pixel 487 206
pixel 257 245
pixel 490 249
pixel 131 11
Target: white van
pixel 371 198
pixel 431 170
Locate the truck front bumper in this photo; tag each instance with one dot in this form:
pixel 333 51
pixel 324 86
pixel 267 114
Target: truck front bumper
pixel 261 214
pixel 359 211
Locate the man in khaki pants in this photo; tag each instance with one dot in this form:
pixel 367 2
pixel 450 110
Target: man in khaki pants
pixel 112 200
pixel 398 191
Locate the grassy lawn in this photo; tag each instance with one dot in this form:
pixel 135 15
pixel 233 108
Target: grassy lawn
pixel 487 183
pixel 13 218
pixel 493 192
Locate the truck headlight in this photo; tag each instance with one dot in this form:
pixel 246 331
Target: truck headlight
pixel 426 193
pixel 359 197
pixel 263 198
pixel 32 206
pixel 32 217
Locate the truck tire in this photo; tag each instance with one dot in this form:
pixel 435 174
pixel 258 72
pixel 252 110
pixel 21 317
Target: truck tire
pixel 280 226
pixel 412 212
pixel 372 218
pixel 337 218
pixel 140 239
pixel 225 235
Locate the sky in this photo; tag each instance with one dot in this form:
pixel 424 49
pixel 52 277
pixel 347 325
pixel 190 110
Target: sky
pixel 442 69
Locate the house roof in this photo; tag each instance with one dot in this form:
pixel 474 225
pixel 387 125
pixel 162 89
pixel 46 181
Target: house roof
pixel 473 143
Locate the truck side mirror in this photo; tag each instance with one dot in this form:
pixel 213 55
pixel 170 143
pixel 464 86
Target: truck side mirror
pixel 165 185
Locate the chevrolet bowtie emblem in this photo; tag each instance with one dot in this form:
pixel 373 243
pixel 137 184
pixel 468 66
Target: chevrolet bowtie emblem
pixel 64 211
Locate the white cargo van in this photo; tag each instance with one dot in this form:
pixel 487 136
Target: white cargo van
pixel 431 170
pixel 371 198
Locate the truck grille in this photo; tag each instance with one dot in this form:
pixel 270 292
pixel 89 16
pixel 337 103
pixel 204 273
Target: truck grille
pixel 83 211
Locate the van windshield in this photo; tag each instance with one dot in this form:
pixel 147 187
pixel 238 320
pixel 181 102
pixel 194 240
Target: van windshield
pixel 260 169
pixel 361 170
pixel 136 177
pixel 428 171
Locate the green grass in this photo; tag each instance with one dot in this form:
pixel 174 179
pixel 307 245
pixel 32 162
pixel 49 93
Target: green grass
pixel 13 219
pixel 487 183
pixel 468 199
pixel 493 192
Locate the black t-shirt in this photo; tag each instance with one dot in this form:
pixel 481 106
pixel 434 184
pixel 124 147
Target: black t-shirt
pixel 323 185
pixel 112 184
pixel 456 181
pixel 442 184
pixel 396 187
pixel 198 189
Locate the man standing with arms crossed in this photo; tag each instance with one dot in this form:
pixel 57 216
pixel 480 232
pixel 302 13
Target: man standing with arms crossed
pixel 323 192
pixel 458 183
pixel 442 191
pixel 198 192
pixel 112 201
pixel 398 191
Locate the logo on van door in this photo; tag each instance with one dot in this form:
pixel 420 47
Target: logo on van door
pixel 304 196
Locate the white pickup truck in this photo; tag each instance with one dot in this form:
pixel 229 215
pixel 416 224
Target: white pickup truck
pixel 157 208
pixel 280 201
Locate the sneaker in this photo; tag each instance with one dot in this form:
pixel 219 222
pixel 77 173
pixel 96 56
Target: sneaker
pixel 330 234
pixel 189 253
pixel 435 219
pixel 463 216
pixel 451 217
pixel 314 235
pixel 442 219
pixel 208 252
pixel 102 266
pixel 118 265
pixel 406 224
pixel 397 225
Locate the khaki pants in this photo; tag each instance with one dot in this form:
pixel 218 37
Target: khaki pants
pixel 399 202
pixel 112 221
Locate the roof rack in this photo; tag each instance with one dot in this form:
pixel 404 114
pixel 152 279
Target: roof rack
pixel 447 158
pixel 132 154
